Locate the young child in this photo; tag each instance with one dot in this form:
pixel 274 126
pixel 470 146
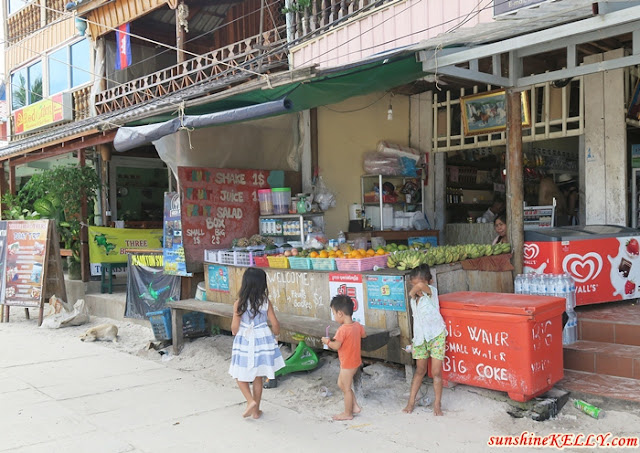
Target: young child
pixel 429 335
pixel 255 351
pixel 347 342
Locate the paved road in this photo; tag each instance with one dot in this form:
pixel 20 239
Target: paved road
pixel 58 395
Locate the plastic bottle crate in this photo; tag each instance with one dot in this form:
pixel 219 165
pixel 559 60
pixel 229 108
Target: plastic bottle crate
pixel 323 264
pixel 193 323
pixel 280 262
pixel 299 263
pixel 364 264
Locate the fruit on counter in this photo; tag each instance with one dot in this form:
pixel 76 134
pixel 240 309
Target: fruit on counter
pixel 253 241
pixel 633 247
pixel 403 260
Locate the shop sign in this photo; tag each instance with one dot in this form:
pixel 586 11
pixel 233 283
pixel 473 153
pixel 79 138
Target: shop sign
pixel 386 292
pixel 349 285
pixel 48 112
pixel 605 270
pixel 173 250
pixel 108 245
pixel 510 6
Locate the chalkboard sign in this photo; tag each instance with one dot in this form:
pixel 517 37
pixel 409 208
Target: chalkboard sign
pixel 218 205
pixel 32 267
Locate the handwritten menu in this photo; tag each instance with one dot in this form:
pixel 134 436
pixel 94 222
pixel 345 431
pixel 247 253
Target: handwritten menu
pixel 218 205
pixel 26 246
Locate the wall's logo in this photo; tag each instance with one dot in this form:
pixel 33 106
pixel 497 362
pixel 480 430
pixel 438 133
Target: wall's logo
pixel 531 251
pixel 583 267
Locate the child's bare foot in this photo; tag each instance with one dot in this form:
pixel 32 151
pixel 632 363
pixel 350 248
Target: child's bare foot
pixel 356 409
pixel 343 416
pixel 257 414
pixel 249 410
pixel 437 410
pixel 408 409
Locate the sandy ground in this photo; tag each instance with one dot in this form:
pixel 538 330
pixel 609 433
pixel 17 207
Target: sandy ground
pixel 471 416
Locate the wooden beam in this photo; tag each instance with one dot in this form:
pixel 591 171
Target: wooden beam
pixel 515 186
pixel 63 148
pixel 12 179
pixel 85 270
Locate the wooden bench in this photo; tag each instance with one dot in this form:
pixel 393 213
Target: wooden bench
pixel 312 327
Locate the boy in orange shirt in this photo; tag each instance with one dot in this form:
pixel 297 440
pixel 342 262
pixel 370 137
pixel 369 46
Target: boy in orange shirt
pixel 347 342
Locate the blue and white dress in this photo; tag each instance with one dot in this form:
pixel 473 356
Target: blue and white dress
pixel 255 351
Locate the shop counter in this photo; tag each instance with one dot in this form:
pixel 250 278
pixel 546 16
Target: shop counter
pixel 391 235
pixel 505 342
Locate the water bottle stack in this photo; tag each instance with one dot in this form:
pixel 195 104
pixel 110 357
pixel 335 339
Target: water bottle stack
pixel 559 285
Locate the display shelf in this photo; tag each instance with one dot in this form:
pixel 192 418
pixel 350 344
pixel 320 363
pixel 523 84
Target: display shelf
pixel 539 216
pixel 316 217
pixel 380 179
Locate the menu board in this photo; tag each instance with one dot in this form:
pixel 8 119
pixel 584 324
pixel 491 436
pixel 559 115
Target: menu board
pixel 173 250
pixel 3 242
pixel 218 205
pixel 26 250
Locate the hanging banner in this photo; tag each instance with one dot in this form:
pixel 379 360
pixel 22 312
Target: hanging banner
pixel 123 47
pixel 108 245
pixel 173 251
pixel 349 285
pixel 386 292
pixel 26 246
pixel 148 288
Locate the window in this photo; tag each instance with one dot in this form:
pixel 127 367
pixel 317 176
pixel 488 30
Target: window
pixel 15 5
pixel 34 77
pixel 69 67
pixel 19 89
pixel 58 71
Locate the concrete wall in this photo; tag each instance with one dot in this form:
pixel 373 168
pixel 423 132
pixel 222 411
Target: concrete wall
pixel 345 132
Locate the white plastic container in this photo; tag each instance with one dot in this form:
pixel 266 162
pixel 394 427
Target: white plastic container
pixel 266 201
pixel 355 211
pixel 373 212
pixel 281 197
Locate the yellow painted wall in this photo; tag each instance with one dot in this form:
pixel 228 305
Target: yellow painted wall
pixel 345 132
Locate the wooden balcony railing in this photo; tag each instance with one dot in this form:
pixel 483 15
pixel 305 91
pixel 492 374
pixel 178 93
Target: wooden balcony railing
pixel 208 67
pixel 24 22
pixel 81 103
pixel 55 9
pixel 322 13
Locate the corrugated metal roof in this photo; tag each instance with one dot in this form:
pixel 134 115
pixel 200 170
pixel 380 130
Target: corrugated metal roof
pixel 541 16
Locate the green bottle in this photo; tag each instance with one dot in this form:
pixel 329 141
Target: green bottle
pixel 589 409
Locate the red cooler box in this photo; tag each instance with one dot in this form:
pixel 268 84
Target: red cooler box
pixel 506 342
pixel 602 259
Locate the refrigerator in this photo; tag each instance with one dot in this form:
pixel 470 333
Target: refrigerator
pixel 604 260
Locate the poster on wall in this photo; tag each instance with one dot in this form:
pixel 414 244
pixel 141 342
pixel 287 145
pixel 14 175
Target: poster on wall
pixel 108 245
pixel 3 242
pixel 173 250
pixel 26 247
pixel 148 288
pixel 386 292
pixel 218 205
pixel 349 285
pixel 218 278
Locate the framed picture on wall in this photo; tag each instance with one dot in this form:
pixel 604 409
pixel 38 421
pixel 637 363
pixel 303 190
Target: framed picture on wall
pixel 486 113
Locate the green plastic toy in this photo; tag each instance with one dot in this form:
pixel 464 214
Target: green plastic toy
pixel 302 359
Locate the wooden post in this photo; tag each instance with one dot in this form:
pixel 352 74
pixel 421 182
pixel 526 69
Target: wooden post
pixel 179 34
pixel 12 179
pixel 105 158
pixel 515 188
pixel 85 270
pixel 4 188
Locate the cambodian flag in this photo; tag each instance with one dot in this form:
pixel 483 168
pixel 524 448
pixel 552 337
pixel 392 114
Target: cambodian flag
pixel 123 47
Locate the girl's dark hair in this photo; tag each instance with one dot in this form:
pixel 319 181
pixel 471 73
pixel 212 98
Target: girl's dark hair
pixel 502 217
pixel 422 272
pixel 342 303
pixel 253 291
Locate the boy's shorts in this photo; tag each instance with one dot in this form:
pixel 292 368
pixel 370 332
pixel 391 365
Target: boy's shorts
pixel 432 348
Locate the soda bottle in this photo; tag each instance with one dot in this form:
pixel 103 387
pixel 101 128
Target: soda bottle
pixel 589 409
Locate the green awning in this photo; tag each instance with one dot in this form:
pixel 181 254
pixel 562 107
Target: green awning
pixel 325 88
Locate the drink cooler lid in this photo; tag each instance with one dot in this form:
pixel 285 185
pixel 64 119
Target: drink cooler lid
pixel 505 303
pixel 281 189
pixel 578 233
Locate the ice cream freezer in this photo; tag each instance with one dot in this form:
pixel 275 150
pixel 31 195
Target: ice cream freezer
pixel 505 342
pixel 602 259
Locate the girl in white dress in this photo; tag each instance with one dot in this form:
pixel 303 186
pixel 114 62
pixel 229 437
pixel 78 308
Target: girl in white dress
pixel 255 351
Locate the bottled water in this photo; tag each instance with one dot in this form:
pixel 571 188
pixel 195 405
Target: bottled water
pixel 517 284
pixel 552 289
pixel 571 289
pixel 526 284
pixel 570 332
pixel 533 285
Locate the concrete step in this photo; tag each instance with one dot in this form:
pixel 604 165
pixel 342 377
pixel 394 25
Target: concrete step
pixel 604 391
pixel 617 323
pixel 603 358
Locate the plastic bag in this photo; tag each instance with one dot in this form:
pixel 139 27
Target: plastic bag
pixel 323 196
pixel 376 163
pixel 64 318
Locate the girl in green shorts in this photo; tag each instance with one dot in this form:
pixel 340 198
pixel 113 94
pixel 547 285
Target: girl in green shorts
pixel 429 335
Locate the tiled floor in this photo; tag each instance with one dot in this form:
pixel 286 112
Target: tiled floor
pixel 595 384
pixel 622 312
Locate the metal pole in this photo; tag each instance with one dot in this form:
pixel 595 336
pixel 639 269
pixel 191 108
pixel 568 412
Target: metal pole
pixel 515 188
